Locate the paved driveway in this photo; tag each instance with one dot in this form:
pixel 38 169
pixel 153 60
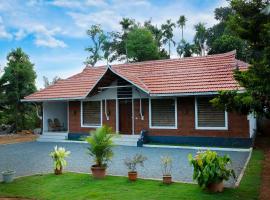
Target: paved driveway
pixel 33 157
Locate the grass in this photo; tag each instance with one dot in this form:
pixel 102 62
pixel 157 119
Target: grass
pixel 82 187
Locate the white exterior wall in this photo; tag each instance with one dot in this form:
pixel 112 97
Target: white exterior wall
pixel 252 125
pixel 53 110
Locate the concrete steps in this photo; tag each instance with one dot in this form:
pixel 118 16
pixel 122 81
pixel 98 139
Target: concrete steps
pixel 126 140
pixel 53 137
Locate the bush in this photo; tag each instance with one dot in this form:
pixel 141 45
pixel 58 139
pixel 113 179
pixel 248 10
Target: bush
pixel 209 168
pixel 58 156
pixel 100 145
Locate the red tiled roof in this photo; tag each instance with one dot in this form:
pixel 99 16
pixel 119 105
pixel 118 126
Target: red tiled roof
pixel 172 76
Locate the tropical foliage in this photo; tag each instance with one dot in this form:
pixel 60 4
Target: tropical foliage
pixel 166 165
pixel 209 168
pixel 100 145
pixel 58 155
pixel 131 163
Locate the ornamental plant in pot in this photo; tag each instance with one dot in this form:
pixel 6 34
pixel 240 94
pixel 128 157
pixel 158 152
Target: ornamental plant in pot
pixel 100 148
pixel 8 176
pixel 58 155
pixel 210 170
pixel 166 166
pixel 132 163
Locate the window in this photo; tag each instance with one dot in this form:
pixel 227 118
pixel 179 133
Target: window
pixel 209 117
pixel 91 113
pixel 163 113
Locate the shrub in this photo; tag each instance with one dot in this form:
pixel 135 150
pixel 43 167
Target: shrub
pixel 209 168
pixel 58 155
pixel 132 163
pixel 166 165
pixel 100 145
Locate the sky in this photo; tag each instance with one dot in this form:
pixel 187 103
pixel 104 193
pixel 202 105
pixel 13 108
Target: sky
pixel 53 32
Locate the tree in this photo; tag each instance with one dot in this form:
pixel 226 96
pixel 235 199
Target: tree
pixel 181 23
pixel 184 49
pixel 167 29
pixel 227 43
pixel 158 36
pixel 98 38
pixel 200 37
pixel 47 83
pixel 141 45
pixel 251 23
pixel 17 82
pixel 126 23
pixel 221 39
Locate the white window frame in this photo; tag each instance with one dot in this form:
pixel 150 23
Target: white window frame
pixel 101 114
pixel 209 128
pixel 163 127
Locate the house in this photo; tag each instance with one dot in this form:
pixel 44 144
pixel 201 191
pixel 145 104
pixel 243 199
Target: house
pixel 168 98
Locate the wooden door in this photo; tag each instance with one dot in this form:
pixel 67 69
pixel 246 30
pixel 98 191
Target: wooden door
pixel 125 116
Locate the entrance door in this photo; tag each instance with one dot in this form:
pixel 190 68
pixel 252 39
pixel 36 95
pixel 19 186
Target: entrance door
pixel 125 116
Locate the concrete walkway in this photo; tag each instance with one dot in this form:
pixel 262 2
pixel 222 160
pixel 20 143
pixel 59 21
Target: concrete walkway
pixel 33 157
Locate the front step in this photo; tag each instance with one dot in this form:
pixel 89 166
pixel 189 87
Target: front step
pixel 53 137
pixel 126 140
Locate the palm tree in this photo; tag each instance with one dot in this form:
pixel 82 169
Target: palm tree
pixel 200 37
pixel 181 23
pixel 167 29
pixel 126 23
pixel 184 49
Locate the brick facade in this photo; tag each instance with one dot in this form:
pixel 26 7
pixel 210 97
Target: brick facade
pixel 238 125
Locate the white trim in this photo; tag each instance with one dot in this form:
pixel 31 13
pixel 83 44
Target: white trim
pixel 52 99
pixel 117 115
pixel 105 110
pixel 43 125
pixel 182 94
pixel 209 128
pixel 163 127
pixel 68 116
pixel 142 116
pixel 132 116
pixel 91 126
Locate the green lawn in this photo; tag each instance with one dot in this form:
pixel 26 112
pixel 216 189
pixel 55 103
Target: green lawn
pixel 80 186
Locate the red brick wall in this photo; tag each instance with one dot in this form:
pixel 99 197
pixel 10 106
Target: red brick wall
pixel 75 117
pixel 238 125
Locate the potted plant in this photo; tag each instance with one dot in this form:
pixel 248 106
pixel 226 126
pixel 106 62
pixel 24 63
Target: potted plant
pixel 132 163
pixel 210 170
pixel 166 165
pixel 8 176
pixel 58 155
pixel 100 148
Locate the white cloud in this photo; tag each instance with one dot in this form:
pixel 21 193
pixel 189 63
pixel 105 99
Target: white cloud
pixel 49 41
pixel 96 3
pixel 107 18
pixel 67 3
pixel 20 34
pixel 3 32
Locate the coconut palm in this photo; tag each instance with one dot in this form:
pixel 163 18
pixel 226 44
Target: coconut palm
pixel 167 29
pixel 200 37
pixel 126 23
pixel 181 23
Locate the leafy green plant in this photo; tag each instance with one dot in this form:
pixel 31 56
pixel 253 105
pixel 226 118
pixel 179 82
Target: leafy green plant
pixel 132 163
pixel 166 165
pixel 100 145
pixel 58 155
pixel 209 168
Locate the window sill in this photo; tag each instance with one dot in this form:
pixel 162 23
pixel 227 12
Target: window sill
pixel 212 128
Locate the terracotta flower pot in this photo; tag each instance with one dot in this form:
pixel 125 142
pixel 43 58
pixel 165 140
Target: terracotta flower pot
pixel 132 176
pixel 98 172
pixel 216 187
pixel 167 179
pixel 58 171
